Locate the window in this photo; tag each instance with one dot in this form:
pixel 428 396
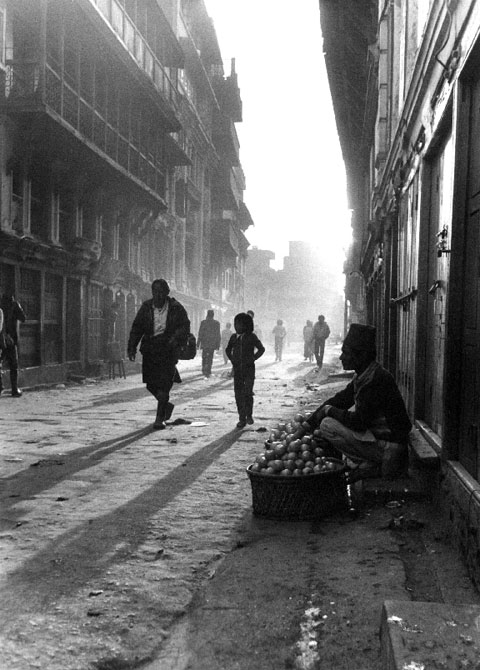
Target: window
pixel 54 232
pixel 89 222
pixel 116 241
pixel 117 18
pixel 104 7
pixel 66 219
pixel 130 6
pixel 53 318
pixel 95 323
pixel 29 298
pixel 16 180
pixel 2 37
pixel 71 57
pixel 73 319
pixel 86 77
pixel 100 88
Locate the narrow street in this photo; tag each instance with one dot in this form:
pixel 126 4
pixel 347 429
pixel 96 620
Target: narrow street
pixel 123 547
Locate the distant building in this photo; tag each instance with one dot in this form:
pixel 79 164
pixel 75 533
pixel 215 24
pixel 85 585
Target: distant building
pixel 261 286
pixel 302 290
pixel 119 163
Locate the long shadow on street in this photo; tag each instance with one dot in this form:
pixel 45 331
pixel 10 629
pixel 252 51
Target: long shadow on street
pixel 57 570
pixel 28 483
pixel 131 394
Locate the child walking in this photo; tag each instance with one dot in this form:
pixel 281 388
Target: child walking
pixel 243 349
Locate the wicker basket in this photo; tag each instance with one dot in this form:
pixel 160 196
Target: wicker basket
pixel 299 498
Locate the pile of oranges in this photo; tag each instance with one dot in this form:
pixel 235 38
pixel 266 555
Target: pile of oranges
pixel 293 450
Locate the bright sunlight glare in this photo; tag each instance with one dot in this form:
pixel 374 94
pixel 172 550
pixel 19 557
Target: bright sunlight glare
pixel 289 148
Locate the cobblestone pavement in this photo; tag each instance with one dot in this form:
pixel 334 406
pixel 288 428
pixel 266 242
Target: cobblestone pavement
pixel 123 547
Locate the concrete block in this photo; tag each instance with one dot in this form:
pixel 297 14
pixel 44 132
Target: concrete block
pixel 425 635
pixel 381 491
pixel 421 452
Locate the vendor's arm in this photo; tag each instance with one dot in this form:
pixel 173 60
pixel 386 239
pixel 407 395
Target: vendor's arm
pixel 341 401
pixel 366 410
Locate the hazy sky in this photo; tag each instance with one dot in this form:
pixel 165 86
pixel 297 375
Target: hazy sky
pixel 288 139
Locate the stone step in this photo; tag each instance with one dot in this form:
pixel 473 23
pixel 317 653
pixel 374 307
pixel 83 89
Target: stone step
pixel 382 491
pixel 421 452
pixel 426 635
pixel 420 483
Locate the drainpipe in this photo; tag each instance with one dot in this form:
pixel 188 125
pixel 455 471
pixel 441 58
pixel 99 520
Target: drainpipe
pixel 393 291
pixel 42 49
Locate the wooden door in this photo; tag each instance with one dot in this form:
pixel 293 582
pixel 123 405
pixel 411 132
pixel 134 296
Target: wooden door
pixel 440 216
pixel 470 370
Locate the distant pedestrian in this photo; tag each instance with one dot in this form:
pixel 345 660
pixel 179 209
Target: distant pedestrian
pixel 256 328
pixel 279 334
pixel 257 331
pixel 243 349
pixel 162 325
pixel 111 316
pixel 308 341
pixel 321 331
pixel 13 315
pixel 209 339
pixel 225 336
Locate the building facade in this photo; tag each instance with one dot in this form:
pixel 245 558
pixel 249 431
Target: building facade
pixel 119 163
pixel 405 84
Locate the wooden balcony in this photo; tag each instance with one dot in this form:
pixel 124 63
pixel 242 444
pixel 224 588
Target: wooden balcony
pixel 140 155
pixel 225 138
pixel 226 192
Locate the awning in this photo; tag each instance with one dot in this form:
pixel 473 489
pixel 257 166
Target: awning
pixel 244 217
pixel 225 238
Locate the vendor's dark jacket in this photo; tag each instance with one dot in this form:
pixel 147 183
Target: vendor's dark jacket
pixel 209 334
pixel 243 351
pixel 176 331
pixel 377 405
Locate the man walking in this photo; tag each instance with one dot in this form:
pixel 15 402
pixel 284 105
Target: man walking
pixel 13 315
pixel 321 331
pixel 161 326
pixel 208 341
pixel 308 341
pixel 279 334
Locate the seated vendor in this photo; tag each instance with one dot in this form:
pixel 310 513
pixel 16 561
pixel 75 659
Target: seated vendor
pixel 367 421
